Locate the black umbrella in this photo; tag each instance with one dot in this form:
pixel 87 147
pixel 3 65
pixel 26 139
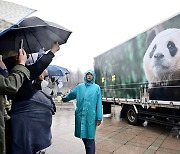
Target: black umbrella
pixel 36 34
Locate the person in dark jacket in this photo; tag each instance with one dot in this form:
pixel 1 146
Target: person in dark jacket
pixel 41 84
pixel 26 91
pixel 31 111
pixel 10 85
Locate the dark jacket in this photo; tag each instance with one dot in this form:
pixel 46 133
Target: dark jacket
pixel 26 91
pixel 31 112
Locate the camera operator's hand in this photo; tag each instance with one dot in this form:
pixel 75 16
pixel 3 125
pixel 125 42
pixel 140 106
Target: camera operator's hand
pixel 22 57
pixel 55 47
pixel 2 65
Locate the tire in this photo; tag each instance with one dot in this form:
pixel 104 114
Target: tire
pixel 132 116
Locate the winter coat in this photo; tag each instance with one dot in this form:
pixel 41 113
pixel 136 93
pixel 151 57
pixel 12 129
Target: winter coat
pixel 89 107
pixel 31 124
pixel 10 85
pixel 31 120
pixel 26 91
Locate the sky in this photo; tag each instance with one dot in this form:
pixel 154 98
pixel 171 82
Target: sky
pixel 99 25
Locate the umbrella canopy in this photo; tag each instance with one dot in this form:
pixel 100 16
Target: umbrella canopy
pixel 12 14
pixel 54 70
pixel 36 34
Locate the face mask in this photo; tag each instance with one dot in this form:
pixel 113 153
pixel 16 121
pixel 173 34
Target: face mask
pixel 45 87
pixel 44 84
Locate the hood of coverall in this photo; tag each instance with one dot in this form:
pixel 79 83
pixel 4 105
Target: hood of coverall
pixel 94 77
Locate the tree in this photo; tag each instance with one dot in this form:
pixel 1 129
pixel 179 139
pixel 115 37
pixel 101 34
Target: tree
pixel 74 78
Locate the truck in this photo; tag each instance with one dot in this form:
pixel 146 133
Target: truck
pixel 142 75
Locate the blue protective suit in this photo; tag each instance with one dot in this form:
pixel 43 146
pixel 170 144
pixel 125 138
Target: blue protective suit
pixel 89 107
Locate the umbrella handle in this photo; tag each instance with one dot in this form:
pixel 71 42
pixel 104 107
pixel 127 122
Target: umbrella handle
pixel 21 44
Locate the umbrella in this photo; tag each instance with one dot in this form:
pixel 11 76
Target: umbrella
pixel 35 33
pixel 12 14
pixel 54 70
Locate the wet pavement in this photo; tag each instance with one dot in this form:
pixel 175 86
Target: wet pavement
pixel 113 136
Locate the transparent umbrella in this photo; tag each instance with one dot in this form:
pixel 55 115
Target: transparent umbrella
pixel 12 14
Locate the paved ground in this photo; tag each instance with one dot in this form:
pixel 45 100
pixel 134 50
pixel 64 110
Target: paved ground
pixel 114 136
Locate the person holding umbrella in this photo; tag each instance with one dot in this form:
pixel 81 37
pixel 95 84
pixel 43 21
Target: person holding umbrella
pixel 10 85
pixel 31 111
pixel 88 112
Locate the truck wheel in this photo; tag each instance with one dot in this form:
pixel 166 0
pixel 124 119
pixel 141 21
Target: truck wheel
pixel 132 116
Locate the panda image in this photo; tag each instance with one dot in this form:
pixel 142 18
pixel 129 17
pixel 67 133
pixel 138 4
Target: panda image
pixel 161 61
pixel 162 58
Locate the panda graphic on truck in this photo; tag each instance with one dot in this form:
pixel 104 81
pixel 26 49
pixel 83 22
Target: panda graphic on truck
pixel 143 75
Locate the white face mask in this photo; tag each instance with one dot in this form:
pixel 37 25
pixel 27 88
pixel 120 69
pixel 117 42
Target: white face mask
pixel 44 84
pixel 45 88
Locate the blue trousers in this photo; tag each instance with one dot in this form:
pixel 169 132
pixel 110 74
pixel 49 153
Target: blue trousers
pixel 89 145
